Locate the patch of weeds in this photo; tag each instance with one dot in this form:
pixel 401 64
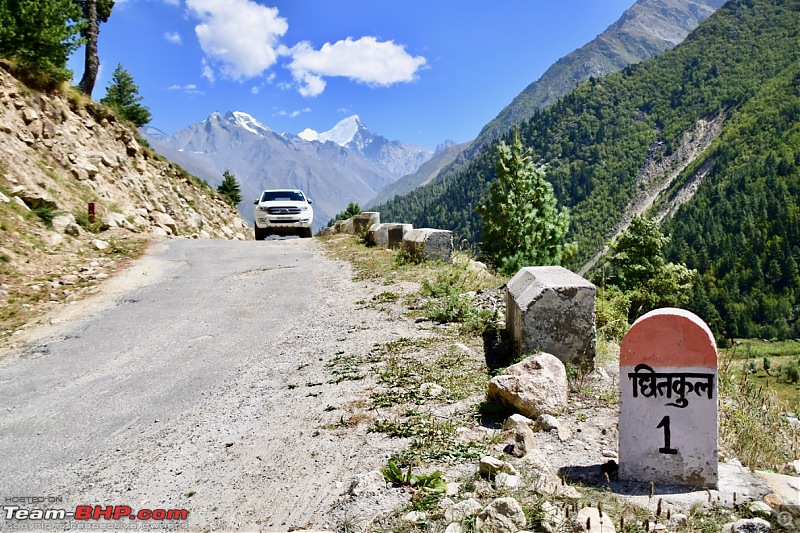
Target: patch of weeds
pixel 385 297
pixel 752 424
pixel 399 371
pixel 395 397
pixel 432 483
pixel 403 344
pixel 458 308
pixel 82 219
pixel 344 368
pixel 432 439
pixel 46 214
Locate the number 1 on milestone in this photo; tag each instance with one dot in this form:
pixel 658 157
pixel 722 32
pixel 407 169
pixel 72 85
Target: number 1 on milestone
pixel 666 449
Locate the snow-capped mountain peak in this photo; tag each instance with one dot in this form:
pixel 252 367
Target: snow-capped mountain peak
pixel 247 122
pixel 308 135
pixel 342 133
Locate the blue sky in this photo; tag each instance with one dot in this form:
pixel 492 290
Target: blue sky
pixel 413 70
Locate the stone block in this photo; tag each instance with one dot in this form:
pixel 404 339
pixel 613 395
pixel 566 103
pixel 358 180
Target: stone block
pixel 551 309
pixel 379 235
pixel 364 220
pixel 395 234
pixel 429 244
pixel 343 226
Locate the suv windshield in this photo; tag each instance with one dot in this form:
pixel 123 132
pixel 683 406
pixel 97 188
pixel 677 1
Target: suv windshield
pixel 282 196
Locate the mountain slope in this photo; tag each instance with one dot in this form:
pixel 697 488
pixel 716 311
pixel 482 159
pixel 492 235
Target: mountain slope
pixel 597 139
pixel 644 31
pixel 424 174
pixel 397 157
pixel 331 175
pixel 346 164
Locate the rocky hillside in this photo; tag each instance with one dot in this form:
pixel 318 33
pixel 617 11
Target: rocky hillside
pixel 58 155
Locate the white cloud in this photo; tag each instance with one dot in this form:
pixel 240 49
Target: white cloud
pixel 208 72
pixel 240 40
pixel 365 60
pixel 238 37
pixel 293 114
pixel 188 89
pixel 173 37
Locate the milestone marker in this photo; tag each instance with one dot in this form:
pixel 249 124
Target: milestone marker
pixel 669 400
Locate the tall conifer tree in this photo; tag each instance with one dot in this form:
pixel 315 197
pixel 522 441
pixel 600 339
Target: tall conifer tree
pixel 522 225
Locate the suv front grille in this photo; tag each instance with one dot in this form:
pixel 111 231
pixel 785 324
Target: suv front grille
pixel 283 210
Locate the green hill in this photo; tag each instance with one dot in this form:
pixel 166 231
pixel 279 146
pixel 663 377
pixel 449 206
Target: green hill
pixel 739 68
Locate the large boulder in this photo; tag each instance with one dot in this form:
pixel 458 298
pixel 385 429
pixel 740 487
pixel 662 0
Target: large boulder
pixel 503 515
pixel 535 386
pixel 551 309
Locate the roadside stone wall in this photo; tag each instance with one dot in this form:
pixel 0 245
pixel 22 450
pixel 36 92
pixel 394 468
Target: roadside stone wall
pixel 422 243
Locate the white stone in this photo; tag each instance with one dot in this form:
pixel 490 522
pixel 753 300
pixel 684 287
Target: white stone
pixel 100 244
pixel 547 422
pixel 371 482
pixel 753 525
pixel 508 481
pixel 462 510
pixel 760 509
pixel 395 233
pixel 365 220
pixel 503 515
pixel 597 524
pixel 62 221
pixel 535 386
pixel 379 235
pixel 455 527
pixel 413 517
pixel 489 467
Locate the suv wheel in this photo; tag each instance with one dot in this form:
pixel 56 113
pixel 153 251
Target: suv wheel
pixel 261 233
pixel 305 233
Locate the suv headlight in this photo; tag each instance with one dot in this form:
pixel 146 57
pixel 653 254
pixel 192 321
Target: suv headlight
pixel 303 208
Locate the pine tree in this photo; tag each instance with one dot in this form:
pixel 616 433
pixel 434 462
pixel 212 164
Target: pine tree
pixel 229 189
pixel 642 273
pixel 522 225
pixel 39 35
pixel 122 95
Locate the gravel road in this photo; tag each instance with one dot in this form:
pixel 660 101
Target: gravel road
pixel 197 381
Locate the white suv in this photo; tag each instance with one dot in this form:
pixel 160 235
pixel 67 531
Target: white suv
pixel 283 211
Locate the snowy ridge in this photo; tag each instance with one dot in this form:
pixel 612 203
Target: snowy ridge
pixel 247 122
pixel 342 133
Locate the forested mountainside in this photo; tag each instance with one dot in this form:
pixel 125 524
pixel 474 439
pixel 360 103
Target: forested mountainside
pixel 645 30
pixel 739 67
